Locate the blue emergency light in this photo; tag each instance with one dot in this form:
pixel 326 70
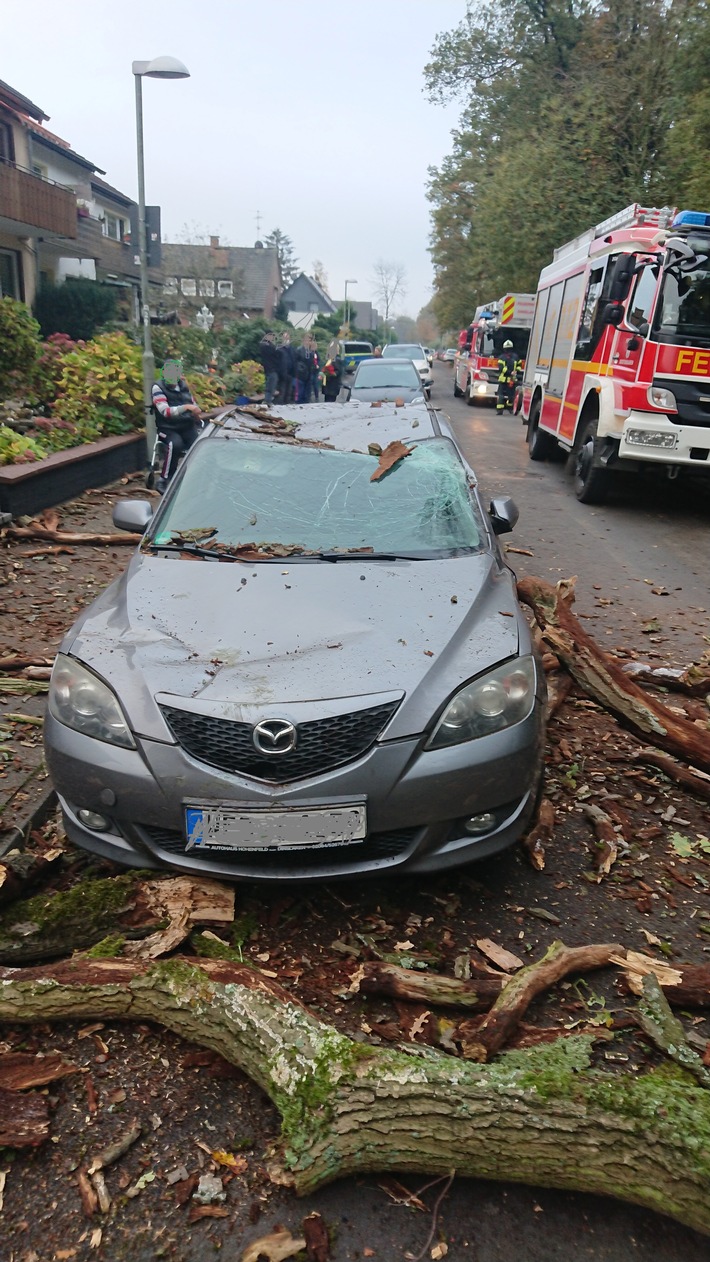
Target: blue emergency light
pixel 691 219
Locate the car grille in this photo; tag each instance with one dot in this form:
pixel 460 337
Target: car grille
pixel 376 846
pixel 320 745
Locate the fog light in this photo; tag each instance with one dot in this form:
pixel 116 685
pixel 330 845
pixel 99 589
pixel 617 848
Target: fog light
pixel 91 819
pixel 480 823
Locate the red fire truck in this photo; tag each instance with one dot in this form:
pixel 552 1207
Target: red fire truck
pixel 476 370
pixel 618 368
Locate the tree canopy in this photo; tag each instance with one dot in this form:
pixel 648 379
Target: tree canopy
pixel 287 255
pixel 571 110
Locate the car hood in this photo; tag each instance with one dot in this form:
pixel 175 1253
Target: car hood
pixel 249 641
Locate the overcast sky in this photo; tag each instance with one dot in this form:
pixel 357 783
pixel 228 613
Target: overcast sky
pixel 311 114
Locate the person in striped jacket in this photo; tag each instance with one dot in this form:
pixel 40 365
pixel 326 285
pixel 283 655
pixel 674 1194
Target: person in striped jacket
pixel 176 415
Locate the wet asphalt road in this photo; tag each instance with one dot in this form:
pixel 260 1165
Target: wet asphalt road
pixel 651 534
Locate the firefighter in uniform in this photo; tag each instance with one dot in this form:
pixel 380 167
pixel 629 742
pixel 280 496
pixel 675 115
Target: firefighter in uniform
pixel 507 369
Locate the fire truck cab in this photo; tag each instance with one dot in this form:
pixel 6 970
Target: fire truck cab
pixel 476 368
pixel 618 369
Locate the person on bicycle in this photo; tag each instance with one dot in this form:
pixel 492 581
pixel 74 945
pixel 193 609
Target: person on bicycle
pixel 176 415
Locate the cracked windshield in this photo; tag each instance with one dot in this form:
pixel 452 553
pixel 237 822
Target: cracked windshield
pixel 278 495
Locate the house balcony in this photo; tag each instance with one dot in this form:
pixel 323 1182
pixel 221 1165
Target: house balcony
pixel 30 204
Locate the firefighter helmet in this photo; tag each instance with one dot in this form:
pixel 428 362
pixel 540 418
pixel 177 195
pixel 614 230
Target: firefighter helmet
pixel 508 346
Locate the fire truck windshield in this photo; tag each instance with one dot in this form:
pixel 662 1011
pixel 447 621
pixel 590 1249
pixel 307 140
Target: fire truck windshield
pixel 493 339
pixel 683 309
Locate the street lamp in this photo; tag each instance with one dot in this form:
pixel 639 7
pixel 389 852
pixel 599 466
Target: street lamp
pixel 158 68
pixel 347 310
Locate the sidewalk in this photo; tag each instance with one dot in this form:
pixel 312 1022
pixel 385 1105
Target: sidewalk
pixel 43 589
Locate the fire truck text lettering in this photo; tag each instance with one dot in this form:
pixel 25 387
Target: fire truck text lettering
pixel 693 361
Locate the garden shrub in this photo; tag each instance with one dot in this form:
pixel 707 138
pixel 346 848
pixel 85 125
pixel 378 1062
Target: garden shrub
pixel 245 378
pixel 19 448
pixel 77 307
pixel 193 346
pixel 19 346
pixel 100 389
pixel 43 378
pixel 207 389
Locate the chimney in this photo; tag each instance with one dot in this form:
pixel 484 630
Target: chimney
pixel 214 243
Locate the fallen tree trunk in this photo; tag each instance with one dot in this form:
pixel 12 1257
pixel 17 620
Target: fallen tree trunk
pixel 603 679
pixel 539 1116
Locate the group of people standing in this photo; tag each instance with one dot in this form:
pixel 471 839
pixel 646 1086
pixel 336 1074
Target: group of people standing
pixel 294 374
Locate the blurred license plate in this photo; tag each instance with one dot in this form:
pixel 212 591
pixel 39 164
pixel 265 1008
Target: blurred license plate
pixel 231 828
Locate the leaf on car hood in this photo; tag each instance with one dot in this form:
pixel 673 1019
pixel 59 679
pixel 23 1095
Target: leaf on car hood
pixel 392 454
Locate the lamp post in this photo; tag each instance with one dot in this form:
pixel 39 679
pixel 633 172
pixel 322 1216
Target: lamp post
pixel 158 68
pixel 347 310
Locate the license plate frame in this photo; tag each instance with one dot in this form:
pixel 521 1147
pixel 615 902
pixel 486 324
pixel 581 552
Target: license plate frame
pixel 242 827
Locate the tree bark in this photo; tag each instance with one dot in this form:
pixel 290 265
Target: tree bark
pixel 70 537
pixel 603 679
pixel 539 1116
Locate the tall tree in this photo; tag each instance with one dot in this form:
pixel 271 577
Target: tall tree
pixel 571 110
pixel 389 284
pixel 288 262
pixel 320 275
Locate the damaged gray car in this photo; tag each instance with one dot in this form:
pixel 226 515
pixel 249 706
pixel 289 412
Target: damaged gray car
pixel 314 666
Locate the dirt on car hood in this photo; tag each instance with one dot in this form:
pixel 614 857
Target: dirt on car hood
pixel 229 637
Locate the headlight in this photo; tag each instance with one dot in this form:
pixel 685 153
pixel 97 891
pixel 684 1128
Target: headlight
pixel 497 700
pixel 81 701
pixel 659 397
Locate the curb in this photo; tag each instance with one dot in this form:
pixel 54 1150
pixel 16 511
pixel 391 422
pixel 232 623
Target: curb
pixel 18 834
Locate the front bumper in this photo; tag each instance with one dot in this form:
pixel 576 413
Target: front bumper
pixel 417 802
pixel 478 389
pixel 654 437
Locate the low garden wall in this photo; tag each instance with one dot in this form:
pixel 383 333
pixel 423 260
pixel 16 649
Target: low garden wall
pixel 28 488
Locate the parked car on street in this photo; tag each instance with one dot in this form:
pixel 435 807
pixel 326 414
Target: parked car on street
pixel 385 380
pixel 415 352
pixel 314 666
pixel 449 355
pixel 352 353
pixel 429 354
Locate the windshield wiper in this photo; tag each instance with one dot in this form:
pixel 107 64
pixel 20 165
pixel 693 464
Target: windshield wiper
pixel 193 548
pixel 368 556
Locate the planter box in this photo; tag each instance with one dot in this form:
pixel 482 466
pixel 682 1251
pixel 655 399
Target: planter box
pixel 28 488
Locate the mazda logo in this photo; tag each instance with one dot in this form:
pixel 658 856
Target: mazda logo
pixel 273 737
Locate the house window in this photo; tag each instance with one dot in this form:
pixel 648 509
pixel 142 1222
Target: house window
pixel 290 306
pixel 7 146
pixel 188 287
pixel 225 288
pixel 313 306
pixel 170 285
pixel 10 275
pixel 113 227
pixel 207 289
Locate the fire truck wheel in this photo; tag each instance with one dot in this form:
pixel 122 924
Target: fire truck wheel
pixel 457 391
pixel 540 446
pixel 590 484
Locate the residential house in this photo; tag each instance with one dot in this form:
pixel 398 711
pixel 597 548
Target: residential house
pixel 232 281
pixel 32 205
pixel 97 235
pixel 305 300
pixel 364 316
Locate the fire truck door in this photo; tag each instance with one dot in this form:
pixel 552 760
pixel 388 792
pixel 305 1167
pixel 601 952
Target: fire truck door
pixel 628 346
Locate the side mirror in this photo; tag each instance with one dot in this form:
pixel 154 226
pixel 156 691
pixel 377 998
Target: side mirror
pixel 132 515
pixel 504 514
pixel 345 393
pixel 613 313
pixel 621 277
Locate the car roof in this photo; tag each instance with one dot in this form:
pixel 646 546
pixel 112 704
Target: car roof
pixel 344 426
